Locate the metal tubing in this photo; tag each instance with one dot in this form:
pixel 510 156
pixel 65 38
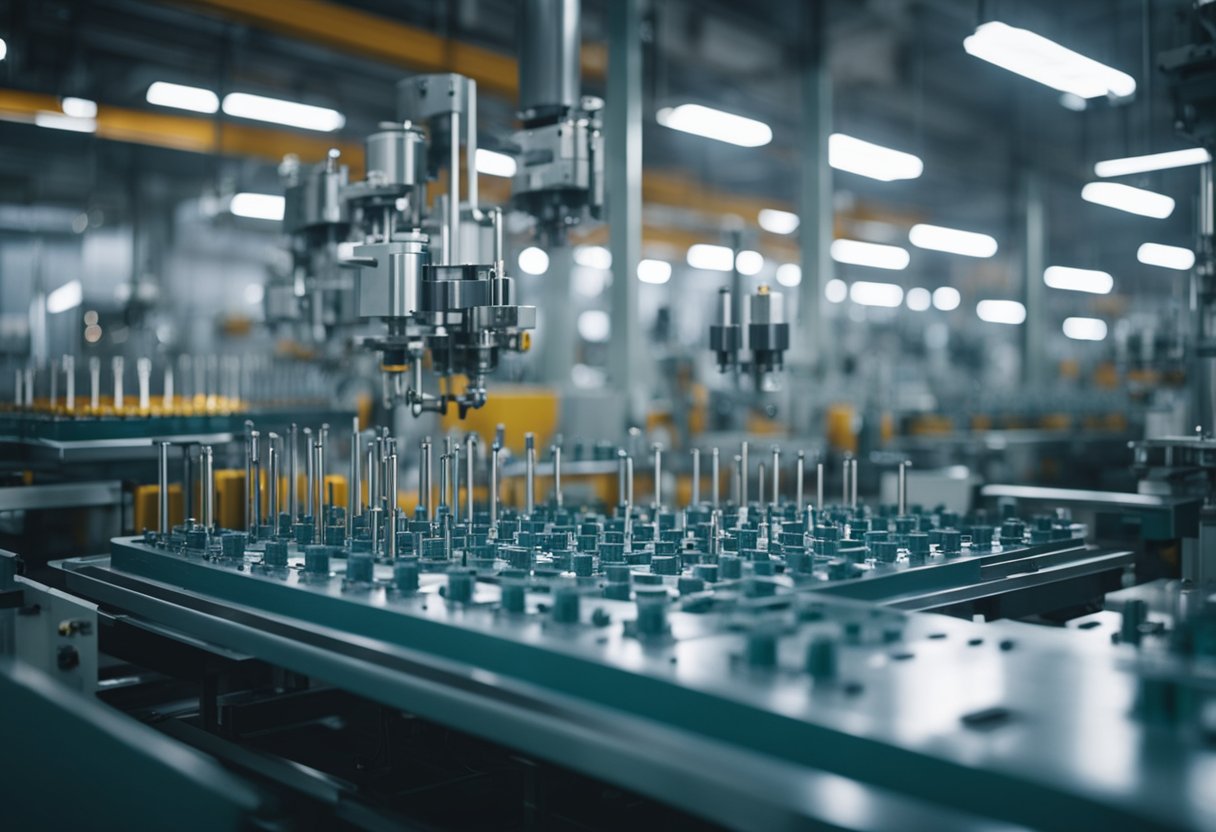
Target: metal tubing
pixel 819 486
pixel 529 474
pixel 390 518
pixel 318 466
pixel 256 462
pixel 444 460
pixel 621 491
pixel 309 474
pixel 494 490
pixel 162 481
pixel 272 482
pixel 799 473
pixel 760 477
pixel 846 468
pixel 853 483
pixel 293 469
pixel 455 482
pixel 557 476
pixel 743 480
pixel 471 456
pixel 69 381
pixel 696 477
pixel 776 499
pixel 658 476
pixel 715 477
pixel 629 481
pixel 902 493
pixel 207 467
pixel 354 500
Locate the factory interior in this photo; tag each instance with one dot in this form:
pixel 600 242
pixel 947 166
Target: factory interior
pixel 598 414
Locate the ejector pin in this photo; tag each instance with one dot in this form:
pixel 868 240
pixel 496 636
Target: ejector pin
pixel 696 476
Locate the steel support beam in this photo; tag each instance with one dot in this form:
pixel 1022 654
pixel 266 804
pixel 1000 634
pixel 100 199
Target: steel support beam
pixel 812 342
pixel 623 144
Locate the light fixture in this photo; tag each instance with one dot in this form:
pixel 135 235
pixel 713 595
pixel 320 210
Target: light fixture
pixel 952 240
pixel 919 299
pixel 533 260
pixel 778 222
pixel 876 294
pixel 656 272
pixel 1001 311
pixel 492 163
pixel 864 158
pixel 182 97
pixel 78 107
pixel 749 263
pixel 1085 329
pixel 593 257
pixel 789 274
pixel 1126 198
pixel 1041 59
pixel 257 206
pixel 836 290
pixel 715 124
pixel 1153 161
pixel 68 296
pixel 946 298
pixel 594 325
pixel 711 258
pixel 874 255
pixel 58 121
pixel 278 111
pixel 1167 257
pixel 1079 280
pixel 254 292
pixel 3 49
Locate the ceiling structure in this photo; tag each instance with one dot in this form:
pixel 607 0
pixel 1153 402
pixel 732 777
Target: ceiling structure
pixel 900 78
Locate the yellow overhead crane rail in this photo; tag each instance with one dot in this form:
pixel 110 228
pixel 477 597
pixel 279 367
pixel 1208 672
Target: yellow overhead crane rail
pixel 369 35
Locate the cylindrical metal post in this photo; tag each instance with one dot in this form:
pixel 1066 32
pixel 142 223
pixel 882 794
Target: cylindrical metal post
pixel 743 479
pixel 293 472
pixel 470 445
pixel 799 473
pixel 658 476
pixel 902 488
pixel 354 499
pixel 207 465
pixel 819 486
pixel 390 518
pixel 162 481
pixel 529 474
pixel 272 483
pixel 696 477
pixel 557 476
pixel 853 483
pixel 310 474
pixel 776 473
pixel 715 477
pixel 318 499
pixel 494 490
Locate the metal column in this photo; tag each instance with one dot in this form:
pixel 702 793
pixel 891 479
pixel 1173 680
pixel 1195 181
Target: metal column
pixel 1034 240
pixel 813 341
pixel 623 175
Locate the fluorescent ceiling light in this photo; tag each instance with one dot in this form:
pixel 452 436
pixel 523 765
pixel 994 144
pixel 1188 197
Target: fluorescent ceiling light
pixel 1085 329
pixel 68 296
pixel 1001 311
pixel 873 160
pixel 182 97
pixel 1040 59
pixel 1079 280
pixel 711 258
pixel 593 257
pixel 874 255
pixel 278 111
pixel 789 274
pixel 715 124
pixel 1167 257
pixel 919 299
pixel 656 272
pixel 495 164
pixel 594 325
pixel 952 240
pixel 58 121
pixel 876 294
pixel 257 206
pixel 79 107
pixel 946 298
pixel 1153 161
pixel 836 290
pixel 749 263
pixel 533 260
pixel 1126 198
pixel 778 222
